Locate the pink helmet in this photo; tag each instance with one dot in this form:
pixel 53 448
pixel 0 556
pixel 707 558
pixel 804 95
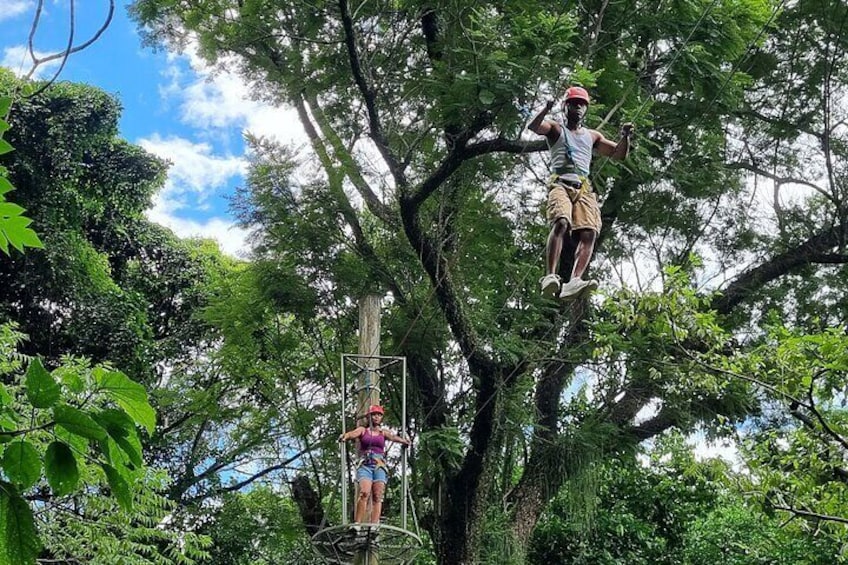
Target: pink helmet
pixel 375 409
pixel 577 93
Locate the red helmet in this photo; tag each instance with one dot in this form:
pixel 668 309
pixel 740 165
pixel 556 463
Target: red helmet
pixel 375 409
pixel 577 93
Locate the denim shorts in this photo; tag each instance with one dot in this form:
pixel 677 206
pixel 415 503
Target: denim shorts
pixel 374 474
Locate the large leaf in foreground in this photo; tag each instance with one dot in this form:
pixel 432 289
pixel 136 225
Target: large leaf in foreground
pixel 19 543
pixel 22 463
pixel 41 388
pixel 129 395
pixel 60 466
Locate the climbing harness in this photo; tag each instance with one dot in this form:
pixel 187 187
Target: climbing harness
pixel 373 460
pixel 578 189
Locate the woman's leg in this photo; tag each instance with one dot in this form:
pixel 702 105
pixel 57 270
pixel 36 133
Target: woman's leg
pixel 362 500
pixel 377 490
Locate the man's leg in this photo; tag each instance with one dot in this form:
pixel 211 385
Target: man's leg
pixel 576 286
pixel 585 248
pixel 556 239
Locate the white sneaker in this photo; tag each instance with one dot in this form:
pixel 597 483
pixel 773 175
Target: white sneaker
pixel 550 285
pixel 587 289
pixel 572 289
pixel 576 289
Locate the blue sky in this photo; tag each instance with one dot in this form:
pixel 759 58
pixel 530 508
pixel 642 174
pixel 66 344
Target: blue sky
pixel 174 106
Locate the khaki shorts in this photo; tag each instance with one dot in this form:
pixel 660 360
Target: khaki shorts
pixel 579 208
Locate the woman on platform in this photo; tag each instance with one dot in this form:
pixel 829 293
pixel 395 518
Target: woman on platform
pixel 371 472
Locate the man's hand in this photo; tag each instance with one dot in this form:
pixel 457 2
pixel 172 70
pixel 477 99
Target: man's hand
pixel 341 438
pixel 537 124
pixel 627 130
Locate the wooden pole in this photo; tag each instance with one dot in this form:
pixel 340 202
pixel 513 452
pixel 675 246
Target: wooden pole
pixel 369 384
pixel 369 344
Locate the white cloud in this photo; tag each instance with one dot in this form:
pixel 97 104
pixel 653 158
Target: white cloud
pixel 194 175
pixel 221 99
pixel 10 9
pixel 214 103
pixel 17 59
pixel 725 449
pixel 231 238
pixel 648 411
pixel 194 168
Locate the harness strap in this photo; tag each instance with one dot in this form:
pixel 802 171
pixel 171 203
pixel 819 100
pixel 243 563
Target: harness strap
pixel 584 186
pixel 377 459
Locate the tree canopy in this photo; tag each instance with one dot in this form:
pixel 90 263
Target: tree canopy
pixel 426 191
pixel 722 310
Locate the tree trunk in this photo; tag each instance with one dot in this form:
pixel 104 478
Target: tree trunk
pixel 308 504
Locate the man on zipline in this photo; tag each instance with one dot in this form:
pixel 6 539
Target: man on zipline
pixel 572 205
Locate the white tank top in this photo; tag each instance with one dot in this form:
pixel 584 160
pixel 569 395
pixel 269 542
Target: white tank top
pixel 578 151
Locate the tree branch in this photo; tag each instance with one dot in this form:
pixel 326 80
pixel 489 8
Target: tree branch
pixel 351 169
pixel 778 179
pixel 791 126
pixel 755 278
pixel 807 514
pixel 243 483
pixel 69 50
pixel 335 178
pixel 369 97
pixel 459 155
pixel 817 413
pixel 438 270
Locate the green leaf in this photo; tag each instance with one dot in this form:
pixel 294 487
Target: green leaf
pixel 487 97
pixel 19 234
pixel 7 422
pixel 79 445
pixel 121 429
pixel 129 395
pixel 28 238
pixel 120 487
pixel 71 378
pixel 10 209
pixel 116 422
pixel 78 422
pixel 22 463
pixel 5 104
pixel 112 453
pixel 60 466
pixel 5 147
pixel 5 397
pixel 41 389
pixel 132 447
pixel 18 538
pixel 5 186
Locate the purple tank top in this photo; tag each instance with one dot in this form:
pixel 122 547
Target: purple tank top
pixel 372 443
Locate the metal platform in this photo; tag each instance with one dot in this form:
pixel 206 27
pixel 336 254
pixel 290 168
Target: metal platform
pixel 389 544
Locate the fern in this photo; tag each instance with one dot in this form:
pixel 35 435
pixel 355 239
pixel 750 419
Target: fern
pixel 91 528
